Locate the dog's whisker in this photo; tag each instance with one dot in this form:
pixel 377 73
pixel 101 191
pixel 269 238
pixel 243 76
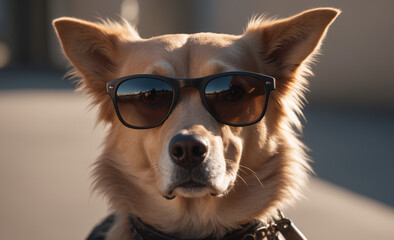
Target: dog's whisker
pixel 253 173
pixel 243 180
pixel 243 171
pixel 148 170
pixel 155 166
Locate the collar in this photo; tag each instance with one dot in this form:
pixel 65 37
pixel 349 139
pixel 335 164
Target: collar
pixel 255 230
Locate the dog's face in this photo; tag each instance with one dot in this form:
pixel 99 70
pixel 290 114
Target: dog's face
pixel 219 175
pixel 190 125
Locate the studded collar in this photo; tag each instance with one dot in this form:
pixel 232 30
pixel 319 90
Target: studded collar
pixel 255 230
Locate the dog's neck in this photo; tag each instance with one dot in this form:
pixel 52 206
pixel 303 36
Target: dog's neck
pixel 140 230
pixel 255 230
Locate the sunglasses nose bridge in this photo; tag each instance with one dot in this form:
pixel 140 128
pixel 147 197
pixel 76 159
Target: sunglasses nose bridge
pixel 191 82
pixel 195 83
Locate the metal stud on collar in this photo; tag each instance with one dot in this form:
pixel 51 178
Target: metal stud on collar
pixel 287 228
pixel 271 231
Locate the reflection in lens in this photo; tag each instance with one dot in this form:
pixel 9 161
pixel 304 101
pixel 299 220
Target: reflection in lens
pixel 144 102
pixel 236 99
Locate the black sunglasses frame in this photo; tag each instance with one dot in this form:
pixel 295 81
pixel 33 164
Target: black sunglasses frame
pixel 198 83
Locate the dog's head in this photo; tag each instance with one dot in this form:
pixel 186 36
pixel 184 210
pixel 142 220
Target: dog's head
pixel 220 175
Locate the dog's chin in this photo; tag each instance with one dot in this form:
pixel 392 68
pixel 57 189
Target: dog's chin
pixel 193 190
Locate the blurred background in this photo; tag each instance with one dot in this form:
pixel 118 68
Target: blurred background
pixel 48 140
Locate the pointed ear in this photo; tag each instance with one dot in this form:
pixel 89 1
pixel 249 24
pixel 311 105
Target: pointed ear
pixel 92 48
pixel 289 42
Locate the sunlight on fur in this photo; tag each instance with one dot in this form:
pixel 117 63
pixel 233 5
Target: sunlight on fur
pixel 248 172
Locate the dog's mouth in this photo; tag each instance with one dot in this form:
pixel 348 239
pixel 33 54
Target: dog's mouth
pixel 192 185
pixel 191 189
pixel 195 189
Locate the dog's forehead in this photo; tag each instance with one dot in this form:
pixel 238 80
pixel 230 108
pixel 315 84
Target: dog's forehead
pixel 191 56
pixel 212 53
pixel 212 39
pixel 174 42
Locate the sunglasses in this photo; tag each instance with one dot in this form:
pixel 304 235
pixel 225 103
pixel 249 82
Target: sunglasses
pixel 234 98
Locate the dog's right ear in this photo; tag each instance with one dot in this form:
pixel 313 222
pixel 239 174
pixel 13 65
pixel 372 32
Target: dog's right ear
pixel 288 43
pixel 93 48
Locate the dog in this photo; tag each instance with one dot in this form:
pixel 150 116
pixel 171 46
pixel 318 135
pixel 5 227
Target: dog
pixel 202 128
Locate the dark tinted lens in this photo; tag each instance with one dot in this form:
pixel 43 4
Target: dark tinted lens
pixel 143 102
pixel 236 99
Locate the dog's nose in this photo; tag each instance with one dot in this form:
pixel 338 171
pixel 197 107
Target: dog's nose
pixel 188 150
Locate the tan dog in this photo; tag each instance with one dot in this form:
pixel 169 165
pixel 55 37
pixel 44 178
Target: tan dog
pixel 219 176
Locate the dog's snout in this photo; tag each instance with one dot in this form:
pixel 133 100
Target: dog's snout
pixel 188 150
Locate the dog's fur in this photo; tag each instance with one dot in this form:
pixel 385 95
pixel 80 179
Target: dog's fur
pixel 253 170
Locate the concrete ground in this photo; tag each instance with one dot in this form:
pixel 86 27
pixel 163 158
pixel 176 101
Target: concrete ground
pixel 48 142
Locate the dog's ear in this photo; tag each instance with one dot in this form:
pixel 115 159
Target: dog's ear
pixel 92 48
pixel 287 43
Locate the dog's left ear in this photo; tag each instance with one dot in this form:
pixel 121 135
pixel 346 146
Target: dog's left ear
pixel 287 43
pixel 93 48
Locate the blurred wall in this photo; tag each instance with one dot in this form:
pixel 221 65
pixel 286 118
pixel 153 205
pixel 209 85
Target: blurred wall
pixel 23 32
pixel 355 68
